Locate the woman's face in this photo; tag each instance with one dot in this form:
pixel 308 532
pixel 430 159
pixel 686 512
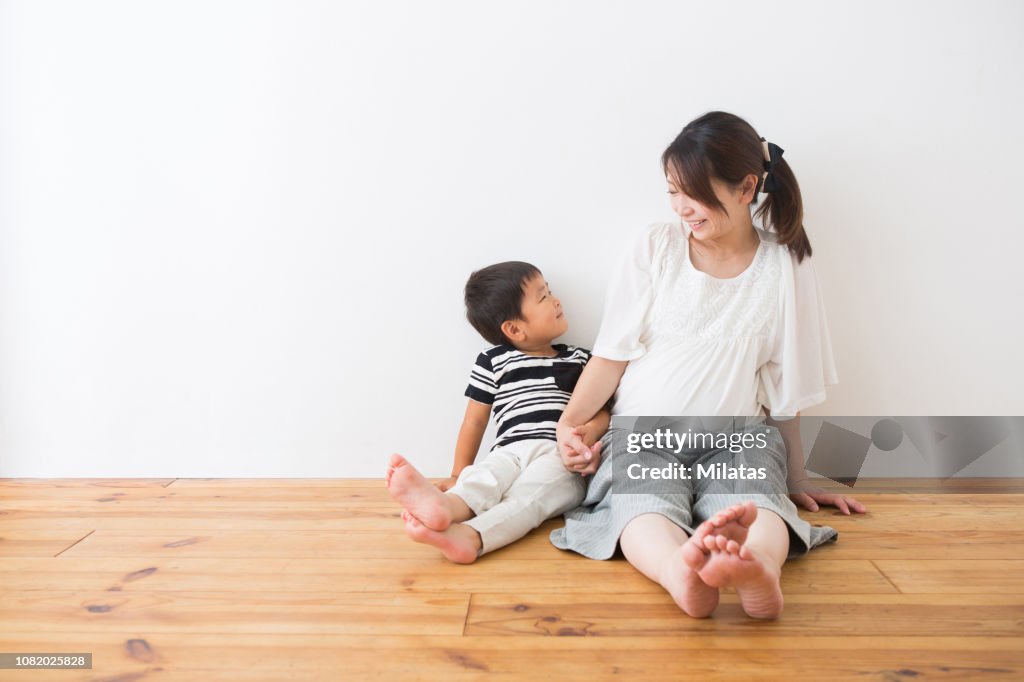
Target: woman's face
pixel 709 223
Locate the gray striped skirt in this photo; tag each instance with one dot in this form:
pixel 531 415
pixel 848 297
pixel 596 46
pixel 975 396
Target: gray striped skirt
pixel 593 528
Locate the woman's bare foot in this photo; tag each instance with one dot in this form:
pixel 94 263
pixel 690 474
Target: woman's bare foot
pixel 731 564
pixel 735 521
pixel 721 561
pixel 417 495
pixel 459 543
pixel 695 597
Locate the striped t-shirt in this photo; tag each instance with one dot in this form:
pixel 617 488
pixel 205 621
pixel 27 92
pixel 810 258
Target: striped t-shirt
pixel 528 393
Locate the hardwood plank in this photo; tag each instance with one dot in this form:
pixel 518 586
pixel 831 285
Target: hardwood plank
pixel 955 576
pixel 922 544
pixel 373 490
pixel 156 496
pixel 768 635
pixel 656 615
pixel 994 500
pixel 394 544
pixel 978 485
pixel 244 544
pixel 16 543
pixel 257 656
pixel 1000 484
pixel 299 483
pixel 245 576
pixel 257 612
pixel 326 544
pixel 71 483
pixel 963 517
pixel 252 517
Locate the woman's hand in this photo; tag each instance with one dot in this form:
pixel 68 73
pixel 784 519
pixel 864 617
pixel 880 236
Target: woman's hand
pixel 809 496
pixel 576 456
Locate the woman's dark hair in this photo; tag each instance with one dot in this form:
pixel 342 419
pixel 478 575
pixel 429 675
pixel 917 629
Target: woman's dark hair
pixel 724 146
pixel 495 294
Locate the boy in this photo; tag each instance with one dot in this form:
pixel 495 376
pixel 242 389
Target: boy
pixel 528 381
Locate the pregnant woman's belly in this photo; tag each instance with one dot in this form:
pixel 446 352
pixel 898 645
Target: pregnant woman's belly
pixel 692 377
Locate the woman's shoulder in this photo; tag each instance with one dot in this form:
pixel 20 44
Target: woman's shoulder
pixel 644 245
pixel 771 241
pixel 797 273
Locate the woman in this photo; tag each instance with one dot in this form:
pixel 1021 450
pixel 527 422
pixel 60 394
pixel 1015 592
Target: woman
pixel 709 317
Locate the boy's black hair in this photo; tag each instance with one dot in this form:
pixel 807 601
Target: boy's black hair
pixel 495 294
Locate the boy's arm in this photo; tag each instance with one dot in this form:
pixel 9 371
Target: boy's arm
pixel 474 423
pixel 591 431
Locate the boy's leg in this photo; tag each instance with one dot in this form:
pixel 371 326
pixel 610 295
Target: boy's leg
pixel 458 542
pixel 481 486
pixel 419 497
pixel 544 489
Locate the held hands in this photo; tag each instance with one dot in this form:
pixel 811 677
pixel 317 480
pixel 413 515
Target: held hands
pixel 809 496
pixel 577 456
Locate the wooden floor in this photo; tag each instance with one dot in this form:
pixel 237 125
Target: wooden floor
pixel 274 579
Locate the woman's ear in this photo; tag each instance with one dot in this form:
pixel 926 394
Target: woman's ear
pixel 749 187
pixel 513 331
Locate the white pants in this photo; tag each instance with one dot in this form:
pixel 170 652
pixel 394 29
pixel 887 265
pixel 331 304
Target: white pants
pixel 515 489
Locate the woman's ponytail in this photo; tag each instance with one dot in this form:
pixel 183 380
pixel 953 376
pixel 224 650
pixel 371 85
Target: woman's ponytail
pixel 784 208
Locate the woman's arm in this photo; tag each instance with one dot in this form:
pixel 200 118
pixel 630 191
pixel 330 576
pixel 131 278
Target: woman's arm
pixel 596 385
pixel 790 431
pixel 801 490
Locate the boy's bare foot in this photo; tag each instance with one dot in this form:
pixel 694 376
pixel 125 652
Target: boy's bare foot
pixel 459 543
pixel 417 495
pixel 695 597
pixel 723 562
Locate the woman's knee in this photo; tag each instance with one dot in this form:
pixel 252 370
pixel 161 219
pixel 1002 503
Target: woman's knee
pixel 651 527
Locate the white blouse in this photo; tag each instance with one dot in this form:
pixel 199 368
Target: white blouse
pixel 703 346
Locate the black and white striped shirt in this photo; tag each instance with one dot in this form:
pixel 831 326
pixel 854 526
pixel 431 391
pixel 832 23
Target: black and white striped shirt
pixel 528 393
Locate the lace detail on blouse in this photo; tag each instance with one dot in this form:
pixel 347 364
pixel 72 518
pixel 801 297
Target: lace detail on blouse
pixel 690 304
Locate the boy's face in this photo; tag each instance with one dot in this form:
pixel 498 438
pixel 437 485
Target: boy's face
pixel 541 311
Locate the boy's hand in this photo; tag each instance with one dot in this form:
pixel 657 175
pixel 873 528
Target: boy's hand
pixel 446 483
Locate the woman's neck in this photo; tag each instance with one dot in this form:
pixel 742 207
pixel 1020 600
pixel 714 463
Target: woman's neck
pixel 735 242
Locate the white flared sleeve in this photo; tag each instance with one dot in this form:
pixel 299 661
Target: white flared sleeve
pixel 801 364
pixel 628 297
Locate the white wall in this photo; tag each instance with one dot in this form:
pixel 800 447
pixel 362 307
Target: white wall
pixel 234 235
